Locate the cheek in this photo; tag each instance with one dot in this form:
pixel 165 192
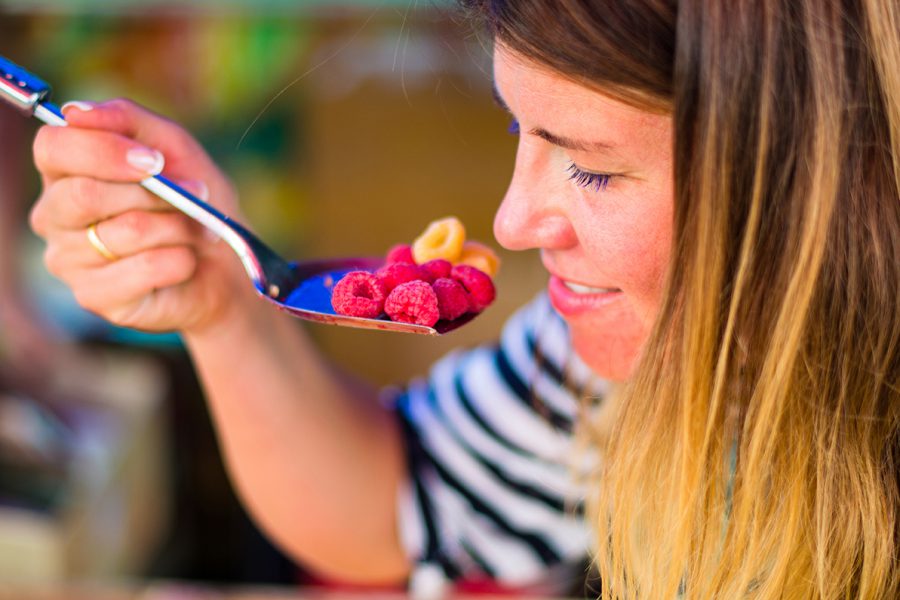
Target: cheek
pixel 633 254
pixel 644 263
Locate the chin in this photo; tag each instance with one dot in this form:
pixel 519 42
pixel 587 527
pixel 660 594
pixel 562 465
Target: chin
pixel 612 353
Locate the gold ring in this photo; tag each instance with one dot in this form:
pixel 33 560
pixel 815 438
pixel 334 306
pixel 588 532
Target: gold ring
pixel 98 244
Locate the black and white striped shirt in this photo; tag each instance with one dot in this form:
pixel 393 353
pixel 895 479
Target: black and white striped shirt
pixel 494 488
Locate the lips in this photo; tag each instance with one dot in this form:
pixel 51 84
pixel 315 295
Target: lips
pixel 572 299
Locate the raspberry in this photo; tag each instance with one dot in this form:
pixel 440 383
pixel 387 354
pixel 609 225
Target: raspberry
pixel 435 269
pixel 453 300
pixel 477 283
pixel 413 302
pixel 359 294
pixel 442 239
pixel 394 274
pixel 481 257
pixel 400 253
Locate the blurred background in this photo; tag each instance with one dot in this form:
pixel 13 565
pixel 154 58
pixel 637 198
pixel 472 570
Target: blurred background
pixel 347 127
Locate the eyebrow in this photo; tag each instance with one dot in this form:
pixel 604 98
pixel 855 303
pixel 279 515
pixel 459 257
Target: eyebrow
pixel 556 140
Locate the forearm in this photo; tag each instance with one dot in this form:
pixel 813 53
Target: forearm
pixel 315 458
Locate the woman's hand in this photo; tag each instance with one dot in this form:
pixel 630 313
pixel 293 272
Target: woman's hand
pixel 164 271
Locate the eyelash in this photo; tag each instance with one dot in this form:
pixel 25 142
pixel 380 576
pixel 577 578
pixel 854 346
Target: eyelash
pixel 582 178
pixel 585 179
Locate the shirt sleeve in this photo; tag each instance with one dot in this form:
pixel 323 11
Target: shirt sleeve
pixel 493 489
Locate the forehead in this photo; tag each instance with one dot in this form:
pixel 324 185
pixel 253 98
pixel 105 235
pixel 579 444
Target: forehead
pixel 541 97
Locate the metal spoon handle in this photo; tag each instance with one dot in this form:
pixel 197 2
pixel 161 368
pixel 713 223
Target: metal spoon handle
pixel 268 271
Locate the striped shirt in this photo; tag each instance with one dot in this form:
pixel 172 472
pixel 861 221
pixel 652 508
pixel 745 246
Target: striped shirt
pixel 494 487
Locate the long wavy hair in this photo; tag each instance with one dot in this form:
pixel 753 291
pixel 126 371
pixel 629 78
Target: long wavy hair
pixel 755 449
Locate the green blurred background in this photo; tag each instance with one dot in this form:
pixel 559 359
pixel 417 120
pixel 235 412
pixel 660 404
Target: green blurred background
pixel 347 127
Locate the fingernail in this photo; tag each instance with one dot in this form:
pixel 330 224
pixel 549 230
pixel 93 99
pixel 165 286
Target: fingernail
pixel 197 188
pixel 146 160
pixel 82 106
pixel 211 236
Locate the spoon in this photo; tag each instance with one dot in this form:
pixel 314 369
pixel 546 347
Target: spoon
pixel 302 289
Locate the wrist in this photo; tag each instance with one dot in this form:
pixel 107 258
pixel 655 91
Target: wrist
pixel 224 298
pixel 244 318
pixel 243 321
pixel 240 314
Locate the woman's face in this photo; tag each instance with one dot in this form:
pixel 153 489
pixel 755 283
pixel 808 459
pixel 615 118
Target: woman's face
pixel 604 240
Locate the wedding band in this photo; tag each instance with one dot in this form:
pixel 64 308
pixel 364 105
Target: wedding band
pixel 98 244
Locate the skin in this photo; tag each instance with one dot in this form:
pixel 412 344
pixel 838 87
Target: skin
pixel 315 457
pixel 617 237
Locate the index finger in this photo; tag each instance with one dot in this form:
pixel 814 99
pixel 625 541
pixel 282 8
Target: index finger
pixel 70 151
pixel 183 153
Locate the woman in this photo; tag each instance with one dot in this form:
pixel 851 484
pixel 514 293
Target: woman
pixel 714 191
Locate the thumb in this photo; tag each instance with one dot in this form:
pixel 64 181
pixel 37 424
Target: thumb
pixel 197 187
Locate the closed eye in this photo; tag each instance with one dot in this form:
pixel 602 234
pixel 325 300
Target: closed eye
pixel 586 179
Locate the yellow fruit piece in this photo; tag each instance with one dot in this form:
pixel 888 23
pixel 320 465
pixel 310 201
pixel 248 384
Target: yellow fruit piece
pixel 443 238
pixel 481 257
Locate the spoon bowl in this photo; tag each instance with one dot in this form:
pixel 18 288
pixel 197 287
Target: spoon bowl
pixel 309 297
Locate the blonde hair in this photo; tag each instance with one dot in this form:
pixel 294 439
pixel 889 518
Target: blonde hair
pixel 756 448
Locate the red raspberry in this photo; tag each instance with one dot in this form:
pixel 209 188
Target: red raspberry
pixel 477 283
pixel 401 253
pixel 359 294
pixel 453 300
pixel 394 274
pixel 413 302
pixel 435 269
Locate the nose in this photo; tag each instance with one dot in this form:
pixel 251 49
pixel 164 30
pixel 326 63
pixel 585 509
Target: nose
pixel 533 212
